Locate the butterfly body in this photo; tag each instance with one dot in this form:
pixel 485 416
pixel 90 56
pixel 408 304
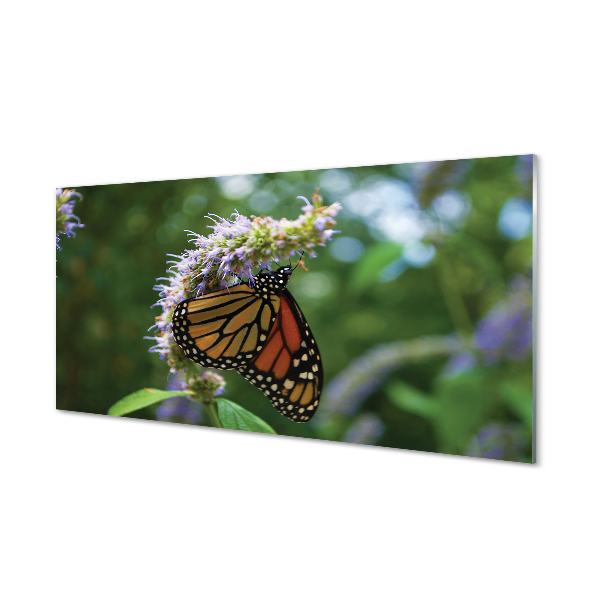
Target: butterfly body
pixel 261 333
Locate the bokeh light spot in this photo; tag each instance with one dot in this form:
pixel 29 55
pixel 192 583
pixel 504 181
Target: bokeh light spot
pixel 316 285
pixel 263 202
pixel 418 254
pixel 450 206
pixel 392 271
pixel 170 206
pixel 336 181
pixel 137 221
pixel 236 187
pixel 515 219
pixel 194 205
pixel 346 249
pixel 390 208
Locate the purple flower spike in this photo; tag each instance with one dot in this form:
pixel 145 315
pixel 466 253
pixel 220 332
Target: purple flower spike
pixel 236 247
pixel 499 442
pixel 66 221
pixel 506 331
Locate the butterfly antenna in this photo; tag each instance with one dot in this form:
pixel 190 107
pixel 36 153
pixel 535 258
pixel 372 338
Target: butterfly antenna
pixel 300 262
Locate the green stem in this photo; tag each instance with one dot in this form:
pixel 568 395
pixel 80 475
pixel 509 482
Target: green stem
pixel 213 415
pixel 453 298
pixel 209 404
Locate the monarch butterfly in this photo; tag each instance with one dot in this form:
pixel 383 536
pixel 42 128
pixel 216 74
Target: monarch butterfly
pixel 262 334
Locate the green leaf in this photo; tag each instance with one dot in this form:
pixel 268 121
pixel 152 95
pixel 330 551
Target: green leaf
pixel 375 259
pixel 233 416
pixel 519 400
pixel 466 404
pixel 141 399
pixel 412 400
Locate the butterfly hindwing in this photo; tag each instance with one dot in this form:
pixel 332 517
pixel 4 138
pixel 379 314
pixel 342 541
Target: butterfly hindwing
pixel 288 370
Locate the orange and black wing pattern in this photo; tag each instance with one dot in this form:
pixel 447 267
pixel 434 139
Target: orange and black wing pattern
pixel 260 332
pixel 288 369
pixel 225 329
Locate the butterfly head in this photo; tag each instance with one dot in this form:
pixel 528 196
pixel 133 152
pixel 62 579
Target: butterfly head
pixel 275 282
pixel 284 273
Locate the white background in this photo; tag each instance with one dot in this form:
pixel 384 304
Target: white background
pixel 131 91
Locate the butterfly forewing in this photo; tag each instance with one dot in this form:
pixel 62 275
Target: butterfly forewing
pixel 225 329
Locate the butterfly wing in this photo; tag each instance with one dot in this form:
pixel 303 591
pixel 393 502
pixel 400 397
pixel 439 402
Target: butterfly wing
pixel 225 329
pixel 288 369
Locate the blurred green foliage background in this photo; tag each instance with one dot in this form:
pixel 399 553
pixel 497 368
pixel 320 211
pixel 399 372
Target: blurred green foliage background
pixel 421 306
